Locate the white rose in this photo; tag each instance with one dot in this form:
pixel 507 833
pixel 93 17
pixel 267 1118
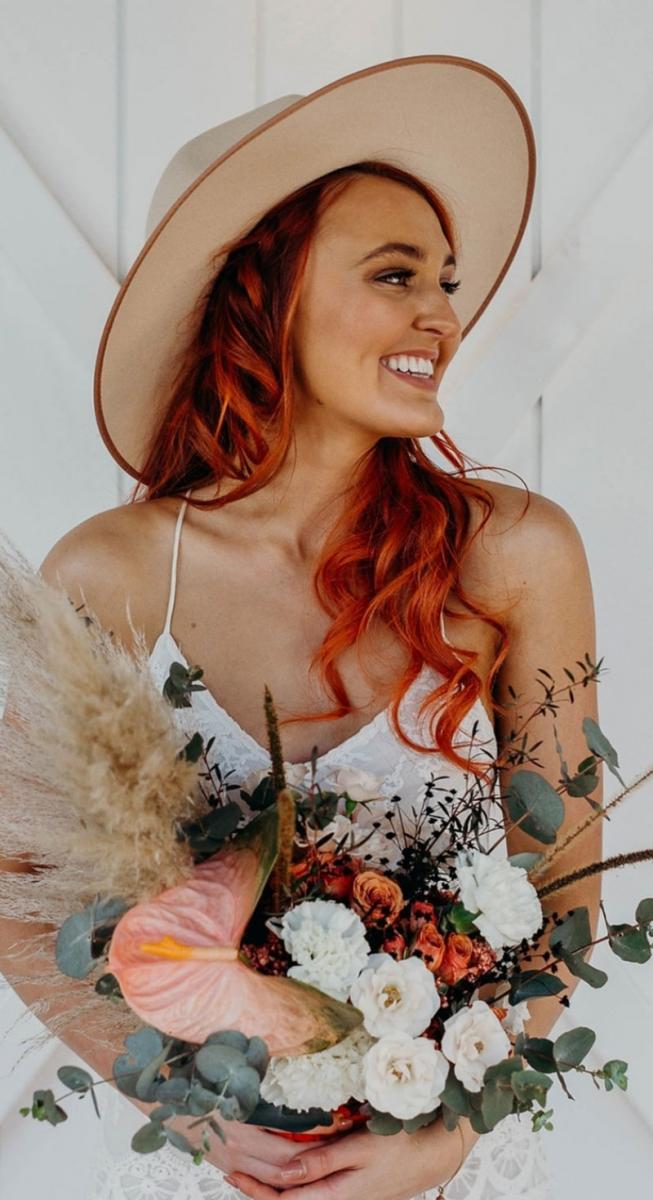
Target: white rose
pixel 359 837
pixel 513 1022
pixel 404 1076
pixel 360 785
pixel 395 997
pixel 327 941
pixel 504 896
pixel 474 1040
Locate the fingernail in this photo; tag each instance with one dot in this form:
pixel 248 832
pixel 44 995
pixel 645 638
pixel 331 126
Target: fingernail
pixel 293 1171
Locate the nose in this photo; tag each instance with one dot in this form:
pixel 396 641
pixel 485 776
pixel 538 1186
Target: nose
pixel 436 315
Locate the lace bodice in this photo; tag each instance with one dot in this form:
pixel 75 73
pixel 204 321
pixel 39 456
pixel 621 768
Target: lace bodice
pixel 507 1163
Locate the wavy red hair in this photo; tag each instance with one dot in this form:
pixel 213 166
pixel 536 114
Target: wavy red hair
pixel 397 550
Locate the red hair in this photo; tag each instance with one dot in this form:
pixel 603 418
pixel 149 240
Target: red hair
pixel 396 551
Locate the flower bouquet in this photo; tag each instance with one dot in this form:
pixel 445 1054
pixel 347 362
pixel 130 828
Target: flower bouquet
pixel 302 958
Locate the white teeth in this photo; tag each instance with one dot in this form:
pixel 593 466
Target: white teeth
pixel 410 365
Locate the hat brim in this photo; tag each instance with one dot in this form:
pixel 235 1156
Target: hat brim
pixel 452 121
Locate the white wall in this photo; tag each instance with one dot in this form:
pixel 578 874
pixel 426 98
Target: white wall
pixel 553 382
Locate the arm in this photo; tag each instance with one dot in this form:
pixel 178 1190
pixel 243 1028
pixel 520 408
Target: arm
pixel 552 626
pixel 93 564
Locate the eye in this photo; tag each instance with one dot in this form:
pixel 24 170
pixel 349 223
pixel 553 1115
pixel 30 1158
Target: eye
pixel 450 286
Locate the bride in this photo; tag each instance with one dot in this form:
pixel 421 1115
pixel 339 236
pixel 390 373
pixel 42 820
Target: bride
pixel 270 402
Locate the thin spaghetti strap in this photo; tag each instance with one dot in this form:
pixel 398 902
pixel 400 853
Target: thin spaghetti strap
pixel 173 570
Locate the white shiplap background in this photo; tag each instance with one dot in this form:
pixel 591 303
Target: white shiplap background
pixel 553 382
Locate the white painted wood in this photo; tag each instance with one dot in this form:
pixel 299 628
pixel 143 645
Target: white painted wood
pixel 57 102
pixel 95 98
pixel 183 68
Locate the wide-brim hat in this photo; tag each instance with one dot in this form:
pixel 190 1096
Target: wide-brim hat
pixel 453 122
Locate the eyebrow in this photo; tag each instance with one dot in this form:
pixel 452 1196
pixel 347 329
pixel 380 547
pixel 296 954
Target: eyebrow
pixel 407 248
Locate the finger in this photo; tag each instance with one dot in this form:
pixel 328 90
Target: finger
pixel 321 1161
pixel 340 1186
pixel 251 1187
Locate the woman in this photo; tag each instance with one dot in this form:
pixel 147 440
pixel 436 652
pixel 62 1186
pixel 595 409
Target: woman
pixel 320 542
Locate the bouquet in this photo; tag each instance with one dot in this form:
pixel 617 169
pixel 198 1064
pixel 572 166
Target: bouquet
pixel 302 958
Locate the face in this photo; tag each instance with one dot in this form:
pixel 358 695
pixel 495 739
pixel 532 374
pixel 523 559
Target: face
pixel 354 315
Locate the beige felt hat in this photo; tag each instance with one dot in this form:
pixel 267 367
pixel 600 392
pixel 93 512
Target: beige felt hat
pixel 452 121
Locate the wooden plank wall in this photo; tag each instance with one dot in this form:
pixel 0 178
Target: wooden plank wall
pixel 553 383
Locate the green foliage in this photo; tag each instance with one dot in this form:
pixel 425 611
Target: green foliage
pixel 571 1047
pixel 644 913
pixel 455 1096
pixel 613 1074
pixel 571 940
pixel 538 1052
pixel 531 1085
pixel 541 1120
pixel 44 1108
pixel 206 835
pixel 526 859
pixel 531 797
pixel 629 942
pixel 497 1095
pixel 181 682
pixel 75 1078
pixel 460 919
pixel 598 743
pixel 526 985
pixel 77 947
pixel 137 1072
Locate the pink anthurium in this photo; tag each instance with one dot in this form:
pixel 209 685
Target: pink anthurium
pixel 178 962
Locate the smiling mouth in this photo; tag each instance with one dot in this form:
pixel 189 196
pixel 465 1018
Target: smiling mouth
pixel 425 382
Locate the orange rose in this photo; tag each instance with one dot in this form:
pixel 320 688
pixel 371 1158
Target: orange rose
pixel 420 912
pixel 395 944
pixel 431 945
pixel 458 954
pixel 337 874
pixel 376 898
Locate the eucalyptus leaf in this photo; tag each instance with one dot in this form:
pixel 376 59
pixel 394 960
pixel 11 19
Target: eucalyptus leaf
pixel 531 1085
pixel 531 794
pixel 573 933
pixel 180 1141
pixel 584 970
pixel 414 1123
pixel 614 1074
pixel 455 1096
pixel 526 859
pixel 450 1118
pixel 74 944
pixel 44 1107
pixel 498 1101
pixel 175 1089
pixel 75 1078
pixel 571 1047
pixel 629 942
pixel 538 1052
pixel 529 984
pixel 598 743
pixel 257 1055
pixel 384 1124
pixel 644 914
pixel 148 1138
pixel 228 1037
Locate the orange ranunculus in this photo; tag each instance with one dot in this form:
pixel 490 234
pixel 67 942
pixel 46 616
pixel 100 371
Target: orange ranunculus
pixel 395 944
pixel 431 945
pixel 458 954
pixel 337 874
pixel 420 912
pixel 376 898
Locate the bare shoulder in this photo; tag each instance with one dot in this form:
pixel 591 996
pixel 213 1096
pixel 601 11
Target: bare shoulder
pixel 528 541
pixel 108 564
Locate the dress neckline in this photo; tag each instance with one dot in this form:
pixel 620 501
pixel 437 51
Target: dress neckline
pixel 207 697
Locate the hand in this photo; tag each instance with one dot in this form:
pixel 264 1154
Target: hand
pixel 254 1151
pixel 363 1164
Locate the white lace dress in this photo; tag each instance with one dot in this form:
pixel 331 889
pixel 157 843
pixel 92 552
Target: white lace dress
pixel 509 1162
